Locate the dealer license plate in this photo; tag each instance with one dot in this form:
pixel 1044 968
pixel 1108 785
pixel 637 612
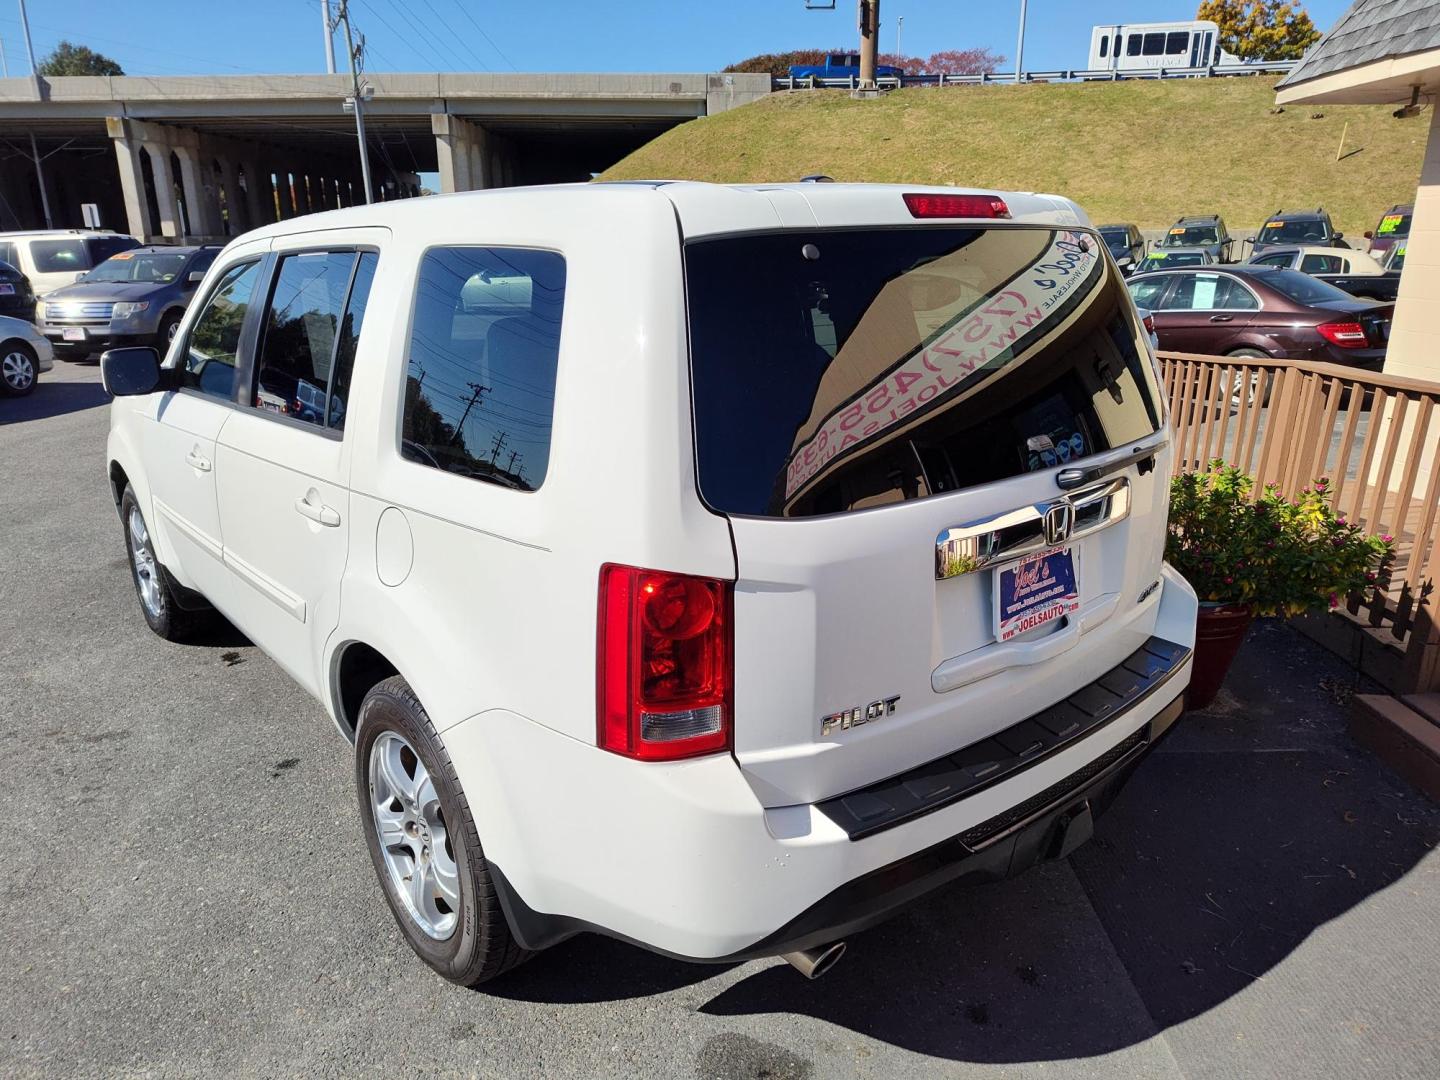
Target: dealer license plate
pixel 73 333
pixel 1038 589
pixel 6 289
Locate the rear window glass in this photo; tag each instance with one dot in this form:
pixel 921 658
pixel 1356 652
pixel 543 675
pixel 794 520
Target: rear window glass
pixel 838 371
pixel 1302 288
pixel 480 384
pixel 54 256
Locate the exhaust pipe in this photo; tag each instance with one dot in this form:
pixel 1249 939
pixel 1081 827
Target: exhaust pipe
pixel 812 963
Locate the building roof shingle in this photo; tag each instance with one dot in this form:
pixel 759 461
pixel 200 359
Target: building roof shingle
pixel 1371 30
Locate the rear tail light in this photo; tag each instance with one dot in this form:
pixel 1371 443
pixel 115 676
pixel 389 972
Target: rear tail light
pixel 1347 335
pixel 955 206
pixel 664 664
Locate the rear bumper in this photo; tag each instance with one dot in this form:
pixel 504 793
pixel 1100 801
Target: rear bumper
pixel 682 858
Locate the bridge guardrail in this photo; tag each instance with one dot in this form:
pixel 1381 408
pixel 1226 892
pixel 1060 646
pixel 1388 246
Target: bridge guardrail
pixel 890 82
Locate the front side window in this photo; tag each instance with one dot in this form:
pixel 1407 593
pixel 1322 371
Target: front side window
pixel 1209 292
pixel 1283 259
pixel 484 349
pixel 1154 44
pixel 842 370
pixel 214 340
pixel 1177 42
pixel 1104 45
pixel 301 334
pixel 56 256
pixel 1132 45
pixel 1147 292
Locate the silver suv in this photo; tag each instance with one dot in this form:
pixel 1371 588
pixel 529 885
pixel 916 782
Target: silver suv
pixel 135 297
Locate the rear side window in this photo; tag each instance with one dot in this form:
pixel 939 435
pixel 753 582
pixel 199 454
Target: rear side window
pixel 102 247
pixel 1177 42
pixel 484 347
pixel 215 338
pixel 1322 264
pixel 55 256
pixel 310 332
pixel 1154 44
pixel 838 371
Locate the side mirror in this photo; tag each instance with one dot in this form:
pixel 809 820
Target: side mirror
pixel 1369 235
pixel 80 276
pixel 130 372
pixel 1339 236
pixel 195 277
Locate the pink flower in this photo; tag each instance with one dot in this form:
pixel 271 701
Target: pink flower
pixel 1229 581
pixel 1387 539
pixel 1334 601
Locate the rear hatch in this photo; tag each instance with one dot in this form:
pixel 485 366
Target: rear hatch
pixel 941 452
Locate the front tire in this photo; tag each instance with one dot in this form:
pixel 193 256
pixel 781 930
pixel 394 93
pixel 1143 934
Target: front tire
pixel 166 334
pixel 19 369
pixel 157 600
pixel 423 841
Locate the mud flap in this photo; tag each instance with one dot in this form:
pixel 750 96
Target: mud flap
pixel 1074 827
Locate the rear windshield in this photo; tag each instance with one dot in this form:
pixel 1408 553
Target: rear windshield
pixel 1302 288
pixel 838 371
pixel 1304 230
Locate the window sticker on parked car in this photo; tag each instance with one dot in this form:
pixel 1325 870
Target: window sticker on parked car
pixel 1005 321
pixel 1274 224
pixel 1389 223
pixel 1177 232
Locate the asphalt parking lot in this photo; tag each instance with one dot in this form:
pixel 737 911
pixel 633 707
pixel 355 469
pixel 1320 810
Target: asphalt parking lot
pixel 186 892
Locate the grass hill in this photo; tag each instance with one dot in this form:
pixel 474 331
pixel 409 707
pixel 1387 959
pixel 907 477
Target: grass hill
pixel 1130 151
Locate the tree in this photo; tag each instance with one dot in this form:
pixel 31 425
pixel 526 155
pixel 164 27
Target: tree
pixel 68 59
pixel 962 62
pixel 1261 29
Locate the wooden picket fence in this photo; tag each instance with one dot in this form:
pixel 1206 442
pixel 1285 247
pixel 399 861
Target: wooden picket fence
pixel 1375 436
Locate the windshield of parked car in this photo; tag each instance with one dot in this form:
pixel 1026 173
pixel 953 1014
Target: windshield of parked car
pixel 1395 260
pixel 1164 260
pixel 1397 224
pixel 873 366
pixel 152 267
pixel 56 256
pixel 1302 288
pixel 1190 235
pixel 1293 232
pixel 1117 240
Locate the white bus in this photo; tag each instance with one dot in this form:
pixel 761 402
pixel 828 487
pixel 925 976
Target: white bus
pixel 1149 46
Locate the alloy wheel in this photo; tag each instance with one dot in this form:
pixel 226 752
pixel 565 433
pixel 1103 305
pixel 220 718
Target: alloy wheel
pixel 17 369
pixel 413 837
pixel 147 570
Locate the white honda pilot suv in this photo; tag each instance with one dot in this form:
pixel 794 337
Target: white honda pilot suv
pixel 716 568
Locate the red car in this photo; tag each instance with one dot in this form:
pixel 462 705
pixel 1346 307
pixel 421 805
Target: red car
pixel 1262 311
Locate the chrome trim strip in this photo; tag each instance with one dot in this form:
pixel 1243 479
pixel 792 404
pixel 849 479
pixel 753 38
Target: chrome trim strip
pixel 975 545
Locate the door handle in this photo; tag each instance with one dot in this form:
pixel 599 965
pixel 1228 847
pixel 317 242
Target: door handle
pixel 1222 318
pixel 318 512
pixel 197 460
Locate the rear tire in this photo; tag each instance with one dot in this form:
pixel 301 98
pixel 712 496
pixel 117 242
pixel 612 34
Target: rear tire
pixel 152 588
pixel 449 914
pixel 166 333
pixel 19 369
pixel 1238 390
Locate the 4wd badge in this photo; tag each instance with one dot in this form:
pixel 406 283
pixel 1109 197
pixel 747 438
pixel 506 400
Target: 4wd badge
pixel 861 714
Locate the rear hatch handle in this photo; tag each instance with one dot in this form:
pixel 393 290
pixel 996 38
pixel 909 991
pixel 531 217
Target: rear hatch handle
pixel 1105 464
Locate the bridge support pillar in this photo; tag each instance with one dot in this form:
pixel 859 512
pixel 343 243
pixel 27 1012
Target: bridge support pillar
pixel 462 149
pixel 129 153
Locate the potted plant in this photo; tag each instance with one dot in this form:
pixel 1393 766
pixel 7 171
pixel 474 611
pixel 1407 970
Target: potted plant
pixel 1265 555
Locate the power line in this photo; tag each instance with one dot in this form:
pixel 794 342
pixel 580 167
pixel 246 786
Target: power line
pixel 466 12
pixel 409 39
pixel 453 35
pixel 429 36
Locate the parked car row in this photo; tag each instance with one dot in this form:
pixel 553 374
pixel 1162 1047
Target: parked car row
pixel 85 291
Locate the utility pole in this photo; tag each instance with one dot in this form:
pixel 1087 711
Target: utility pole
pixel 510 465
pixel 329 37
pixel 1020 46
pixel 476 393
pixel 899 31
pixel 499 444
pixel 869 41
pixel 357 99
pixel 34 149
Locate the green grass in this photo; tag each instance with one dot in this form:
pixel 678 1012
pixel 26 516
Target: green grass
pixel 1133 151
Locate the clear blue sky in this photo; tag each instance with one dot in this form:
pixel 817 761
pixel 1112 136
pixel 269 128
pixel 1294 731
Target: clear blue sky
pixel 173 37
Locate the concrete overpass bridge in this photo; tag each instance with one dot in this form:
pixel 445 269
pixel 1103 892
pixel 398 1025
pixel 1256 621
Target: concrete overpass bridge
pixel 206 157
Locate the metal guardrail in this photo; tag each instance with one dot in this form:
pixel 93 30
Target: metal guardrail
pixel 891 82
pixel 1376 436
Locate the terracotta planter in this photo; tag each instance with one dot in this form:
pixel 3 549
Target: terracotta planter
pixel 1218 633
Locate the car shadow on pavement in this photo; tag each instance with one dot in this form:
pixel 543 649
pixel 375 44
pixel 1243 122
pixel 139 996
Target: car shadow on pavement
pixel 1256 824
pixel 52 399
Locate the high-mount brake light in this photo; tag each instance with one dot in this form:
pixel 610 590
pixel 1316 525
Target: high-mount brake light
pixel 664 664
pixel 922 205
pixel 1347 335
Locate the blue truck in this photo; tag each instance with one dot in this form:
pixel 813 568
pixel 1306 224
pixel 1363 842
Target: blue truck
pixel 840 66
